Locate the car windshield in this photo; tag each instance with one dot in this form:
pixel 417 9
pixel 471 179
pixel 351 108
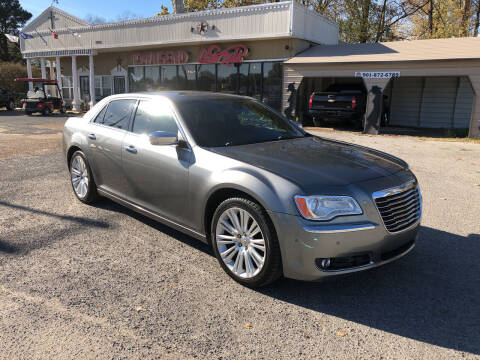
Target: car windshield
pixel 215 122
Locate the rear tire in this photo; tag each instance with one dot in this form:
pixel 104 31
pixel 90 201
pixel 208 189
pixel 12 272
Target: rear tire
pixel 46 111
pixel 318 121
pixel 11 105
pixel 246 247
pixel 81 177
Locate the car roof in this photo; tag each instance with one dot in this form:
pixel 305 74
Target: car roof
pixel 182 95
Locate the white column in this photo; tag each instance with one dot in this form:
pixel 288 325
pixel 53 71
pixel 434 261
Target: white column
pixel 59 72
pixel 29 74
pixel 42 65
pixel 91 81
pixel 75 102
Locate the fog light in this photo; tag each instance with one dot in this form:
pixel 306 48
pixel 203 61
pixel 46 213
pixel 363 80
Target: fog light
pixel 325 263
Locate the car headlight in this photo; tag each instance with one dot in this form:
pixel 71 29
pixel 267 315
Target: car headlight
pixel 326 207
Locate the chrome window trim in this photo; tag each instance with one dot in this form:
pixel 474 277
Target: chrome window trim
pixel 92 119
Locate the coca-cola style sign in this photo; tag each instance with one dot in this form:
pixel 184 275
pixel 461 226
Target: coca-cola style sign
pixel 213 54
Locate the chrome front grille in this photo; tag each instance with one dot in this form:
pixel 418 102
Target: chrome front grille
pixel 399 207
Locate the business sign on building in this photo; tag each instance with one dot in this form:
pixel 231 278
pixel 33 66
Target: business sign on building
pixel 377 74
pixel 161 57
pixel 215 55
pixel 212 54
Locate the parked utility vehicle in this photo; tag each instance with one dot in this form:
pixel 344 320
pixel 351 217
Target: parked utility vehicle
pixel 45 97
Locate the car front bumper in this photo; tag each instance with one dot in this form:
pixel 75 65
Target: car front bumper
pixel 350 247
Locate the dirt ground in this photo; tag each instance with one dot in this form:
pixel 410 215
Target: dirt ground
pixel 103 282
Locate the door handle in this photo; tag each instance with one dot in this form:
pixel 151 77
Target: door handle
pixel 131 149
pixel 92 136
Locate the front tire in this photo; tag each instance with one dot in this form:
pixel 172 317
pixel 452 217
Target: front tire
pixel 11 105
pixel 81 177
pixel 245 243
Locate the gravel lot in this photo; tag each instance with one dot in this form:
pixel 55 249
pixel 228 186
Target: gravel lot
pixel 100 281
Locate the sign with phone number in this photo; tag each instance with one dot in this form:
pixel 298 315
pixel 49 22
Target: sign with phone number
pixel 377 74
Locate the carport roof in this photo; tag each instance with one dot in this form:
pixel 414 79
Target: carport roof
pixel 395 51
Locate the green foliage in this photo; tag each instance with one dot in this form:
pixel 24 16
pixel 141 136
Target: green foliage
pixel 12 17
pixel 9 71
pixel 164 11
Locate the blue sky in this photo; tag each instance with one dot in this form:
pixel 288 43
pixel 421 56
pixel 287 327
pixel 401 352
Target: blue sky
pixel 107 9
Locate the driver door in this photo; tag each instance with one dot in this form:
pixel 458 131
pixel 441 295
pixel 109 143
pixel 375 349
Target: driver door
pixel 156 175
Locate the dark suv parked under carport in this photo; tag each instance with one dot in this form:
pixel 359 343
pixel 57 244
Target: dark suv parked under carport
pixel 6 99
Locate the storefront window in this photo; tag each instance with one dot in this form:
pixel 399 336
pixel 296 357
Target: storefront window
pixel 250 80
pixel 170 79
pixel 206 77
pixel 152 78
pixel 188 76
pixel 136 76
pixel 262 81
pixel 272 84
pixel 227 78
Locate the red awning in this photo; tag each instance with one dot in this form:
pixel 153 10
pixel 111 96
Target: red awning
pixel 46 81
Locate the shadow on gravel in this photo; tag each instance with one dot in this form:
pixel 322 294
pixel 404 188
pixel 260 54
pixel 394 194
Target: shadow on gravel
pixel 11 113
pixel 431 295
pixel 186 239
pixel 21 113
pixel 10 247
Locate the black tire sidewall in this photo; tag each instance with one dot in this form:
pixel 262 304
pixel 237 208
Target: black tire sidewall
pixel 244 204
pixel 91 190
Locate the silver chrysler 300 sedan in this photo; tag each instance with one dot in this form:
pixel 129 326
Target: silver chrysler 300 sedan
pixel 270 198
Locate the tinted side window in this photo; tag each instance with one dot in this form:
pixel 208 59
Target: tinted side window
pixel 100 115
pixel 118 113
pixel 153 116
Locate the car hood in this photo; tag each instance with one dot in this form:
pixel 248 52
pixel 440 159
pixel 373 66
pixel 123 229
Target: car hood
pixel 314 161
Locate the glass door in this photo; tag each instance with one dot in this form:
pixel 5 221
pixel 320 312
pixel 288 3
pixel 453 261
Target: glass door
pixel 118 84
pixel 85 88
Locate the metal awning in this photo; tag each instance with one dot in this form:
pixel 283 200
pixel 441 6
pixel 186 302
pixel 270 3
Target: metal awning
pixel 396 51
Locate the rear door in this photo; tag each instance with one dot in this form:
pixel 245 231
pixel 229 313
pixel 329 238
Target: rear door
pixel 105 142
pixel 156 175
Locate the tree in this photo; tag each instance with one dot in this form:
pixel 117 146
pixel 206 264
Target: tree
pixel 94 19
pixel 164 11
pixel 12 17
pixel 477 18
pixel 126 16
pixel 443 18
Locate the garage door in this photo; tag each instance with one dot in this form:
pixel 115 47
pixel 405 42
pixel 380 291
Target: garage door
pixel 405 102
pixel 445 102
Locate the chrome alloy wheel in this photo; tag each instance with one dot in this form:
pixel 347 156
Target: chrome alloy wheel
pixel 240 242
pixel 79 174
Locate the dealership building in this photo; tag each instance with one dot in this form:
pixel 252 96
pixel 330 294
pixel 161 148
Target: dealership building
pixel 264 51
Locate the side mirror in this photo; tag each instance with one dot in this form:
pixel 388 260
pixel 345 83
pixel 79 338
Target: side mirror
pixel 163 138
